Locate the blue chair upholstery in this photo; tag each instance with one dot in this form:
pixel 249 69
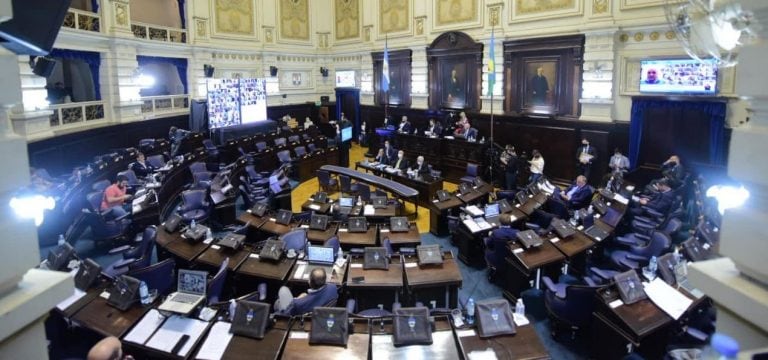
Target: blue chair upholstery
pixel 197 166
pixel 300 151
pixel 326 182
pixel 373 313
pixel 346 184
pixel 284 156
pixel 638 255
pixel 156 161
pixel 295 239
pixel 293 139
pixel 136 257
pixel 100 185
pixel 216 284
pixel 261 146
pixel 103 229
pixel 364 191
pixel 388 245
pixel 312 147
pixel 195 206
pixel 569 304
pixel 280 142
pixel 473 171
pixel 131 176
pixel 159 276
pixel 335 243
pixel 202 180
pixel 146 143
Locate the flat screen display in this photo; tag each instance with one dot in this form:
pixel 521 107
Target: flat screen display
pixel 234 102
pixel 345 78
pixel 678 76
pixel 346 134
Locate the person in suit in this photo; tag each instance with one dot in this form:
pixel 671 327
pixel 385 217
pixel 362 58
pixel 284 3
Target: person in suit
pixel 585 157
pixel 381 158
pixel 540 87
pixel 389 152
pixel 405 126
pixel 578 195
pixel 661 201
pixel 509 159
pixel 618 162
pixel 401 163
pixel 673 171
pixel 320 293
pixel 140 166
pixel 420 167
pixel 434 128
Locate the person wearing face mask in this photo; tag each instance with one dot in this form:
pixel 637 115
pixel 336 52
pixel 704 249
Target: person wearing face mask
pixel 537 166
pixel 585 155
pixel 421 167
pixel 115 196
pixel 401 163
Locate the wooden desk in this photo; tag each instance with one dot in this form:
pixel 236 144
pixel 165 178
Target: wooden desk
pixel 317 236
pixel 272 227
pixel 350 239
pixel 297 345
pixel 574 248
pixel 439 283
pixel 253 271
pixel 470 245
pixel 252 220
pixel 521 266
pixel 183 250
pixel 107 320
pixel 525 344
pixel 380 287
pixel 91 294
pixel 245 348
pixel 380 214
pixel 215 255
pixel 529 206
pixel 478 193
pixel 320 208
pixel 443 343
pixel 438 214
pixel 410 238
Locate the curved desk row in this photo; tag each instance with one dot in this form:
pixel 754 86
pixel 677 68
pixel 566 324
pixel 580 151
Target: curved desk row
pixel 402 191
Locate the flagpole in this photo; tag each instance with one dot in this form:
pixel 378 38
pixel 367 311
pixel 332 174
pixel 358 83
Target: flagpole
pixel 386 92
pixel 491 84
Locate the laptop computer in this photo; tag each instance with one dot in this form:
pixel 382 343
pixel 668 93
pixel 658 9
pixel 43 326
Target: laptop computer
pixel 259 209
pixel 345 205
pixel 562 228
pixel 429 254
pixel 358 224
pixel 399 224
pixel 504 206
pixel 318 222
pixel 320 255
pixel 320 197
pixel 283 217
pixel 190 292
pixel 596 233
pixel 529 239
pixel 492 212
pixel 443 195
pixel 375 258
pixel 465 188
pixel 379 202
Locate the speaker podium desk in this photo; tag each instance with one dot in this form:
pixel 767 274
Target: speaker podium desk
pixel 379 287
pixel 438 283
pixel 297 345
pixel 523 264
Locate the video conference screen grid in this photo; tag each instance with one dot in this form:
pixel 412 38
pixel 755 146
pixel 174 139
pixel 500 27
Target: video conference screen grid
pixel 680 76
pixel 236 101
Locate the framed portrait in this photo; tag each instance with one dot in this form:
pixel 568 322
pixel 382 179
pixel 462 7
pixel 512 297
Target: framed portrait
pixel 453 80
pixel 540 83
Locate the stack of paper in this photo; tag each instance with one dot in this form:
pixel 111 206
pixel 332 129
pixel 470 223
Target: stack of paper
pixel 484 225
pixel 620 199
pixel 216 343
pixel 472 225
pixel 369 210
pixel 171 332
pixel 667 298
pixel 474 210
pixel 145 327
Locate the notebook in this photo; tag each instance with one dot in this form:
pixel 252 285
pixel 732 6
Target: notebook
pixel 375 258
pixel 399 224
pixel 562 228
pixel 529 239
pixel 318 222
pixel 190 292
pixel 429 254
pixel 358 224
pixel 283 217
pixel 379 202
pixel 492 212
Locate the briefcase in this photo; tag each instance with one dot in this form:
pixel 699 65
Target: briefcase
pixel 429 254
pixel 494 318
pixel 233 241
pixel 630 287
pixel 124 292
pixel 330 326
pixel 87 274
pixel 251 319
pixel 172 223
pixel 411 327
pixel 375 258
pixel 272 250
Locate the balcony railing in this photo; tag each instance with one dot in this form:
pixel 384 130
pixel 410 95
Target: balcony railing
pixel 166 103
pixel 158 33
pixel 82 20
pixel 76 113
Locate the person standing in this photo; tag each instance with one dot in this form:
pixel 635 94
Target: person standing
pixel 537 166
pixel 618 162
pixel 585 155
pixel 509 159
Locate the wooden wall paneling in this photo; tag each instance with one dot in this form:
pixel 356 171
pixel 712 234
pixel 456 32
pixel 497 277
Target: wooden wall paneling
pixel 455 51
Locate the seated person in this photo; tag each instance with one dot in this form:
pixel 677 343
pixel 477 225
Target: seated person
pixel 400 163
pixel 37 182
pixel 389 152
pixel 389 123
pixel 381 158
pixel 405 126
pixel 578 195
pixel 115 197
pixel 661 201
pixel 673 171
pixel 434 129
pixel 505 233
pixel 420 167
pixel 140 166
pixel 109 348
pixel 319 294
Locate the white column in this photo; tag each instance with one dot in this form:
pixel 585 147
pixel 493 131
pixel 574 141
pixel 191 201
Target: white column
pixel 31 118
pixel 597 79
pixel 196 81
pixel 116 17
pixel 118 69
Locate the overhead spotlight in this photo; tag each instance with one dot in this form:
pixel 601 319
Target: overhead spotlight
pixel 208 70
pixel 728 197
pixel 273 71
pixel 32 206
pixel 42 66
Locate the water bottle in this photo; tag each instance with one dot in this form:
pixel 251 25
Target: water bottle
pixel 520 307
pixel 471 311
pixel 232 308
pixel 726 347
pixel 144 293
pixel 61 239
pixel 193 225
pixel 359 200
pixel 590 210
pixel 209 234
pixel 653 265
pixel 677 256
pixel 650 271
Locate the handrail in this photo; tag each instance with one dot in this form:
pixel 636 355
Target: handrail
pixel 158 32
pixel 164 103
pixel 82 20
pixel 78 112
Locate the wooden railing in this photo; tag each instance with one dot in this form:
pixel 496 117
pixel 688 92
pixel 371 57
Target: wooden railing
pixel 158 33
pixel 164 103
pixel 82 20
pixel 76 113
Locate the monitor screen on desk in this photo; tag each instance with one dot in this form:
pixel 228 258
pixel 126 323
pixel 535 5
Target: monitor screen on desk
pixel 346 134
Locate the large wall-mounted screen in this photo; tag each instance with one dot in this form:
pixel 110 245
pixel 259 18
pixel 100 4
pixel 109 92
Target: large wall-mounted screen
pixel 678 76
pixel 236 101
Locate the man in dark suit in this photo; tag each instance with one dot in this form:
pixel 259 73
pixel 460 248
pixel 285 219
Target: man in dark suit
pixel 585 155
pixel 389 152
pixel 661 201
pixel 140 167
pixel 673 171
pixel 578 195
pixel 434 129
pixel 380 157
pixel 319 294
pixel 421 167
pixel 400 163
pixel 405 126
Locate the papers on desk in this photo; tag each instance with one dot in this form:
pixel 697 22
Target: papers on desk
pixel 472 225
pixel 369 210
pixel 78 294
pixel 299 273
pixel 473 210
pixel 547 187
pixel 483 224
pixel 314 206
pixel 145 327
pixel 301 335
pixel 621 199
pixel 448 137
pixel 466 333
pixel 390 170
pixel 411 264
pixel 520 320
pixel 171 332
pixel 216 343
pixel 667 298
pixel 487 354
pixel 635 198
pixel 356 266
